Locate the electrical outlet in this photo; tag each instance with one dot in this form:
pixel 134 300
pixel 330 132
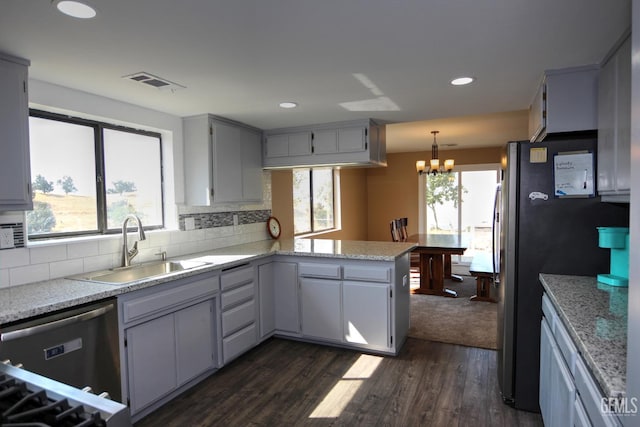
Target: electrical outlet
pixel 189 223
pixel 6 238
pixel 235 223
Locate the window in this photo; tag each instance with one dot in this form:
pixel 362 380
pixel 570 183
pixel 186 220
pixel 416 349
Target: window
pixel 87 176
pixel 462 203
pixel 313 200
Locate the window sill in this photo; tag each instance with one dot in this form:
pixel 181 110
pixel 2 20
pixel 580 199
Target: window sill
pixel 80 239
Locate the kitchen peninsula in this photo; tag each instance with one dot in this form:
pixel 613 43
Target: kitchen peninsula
pixel 33 299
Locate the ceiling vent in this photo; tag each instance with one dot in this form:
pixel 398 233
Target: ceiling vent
pixel 154 81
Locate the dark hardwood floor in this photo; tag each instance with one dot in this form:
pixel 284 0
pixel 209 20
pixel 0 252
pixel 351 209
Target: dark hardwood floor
pixel 286 383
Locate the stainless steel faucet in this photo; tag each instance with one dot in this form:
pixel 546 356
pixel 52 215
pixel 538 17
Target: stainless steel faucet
pixel 128 255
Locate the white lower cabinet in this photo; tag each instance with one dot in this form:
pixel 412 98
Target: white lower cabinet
pixel 366 313
pixel 562 392
pixel 568 394
pixel 321 309
pixel 285 291
pixel 194 340
pixel 546 352
pixel 267 300
pixel 170 339
pixel 239 332
pixel 167 352
pixel 352 303
pixel 151 358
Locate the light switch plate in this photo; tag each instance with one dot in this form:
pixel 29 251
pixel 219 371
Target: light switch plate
pixel 189 223
pixel 6 238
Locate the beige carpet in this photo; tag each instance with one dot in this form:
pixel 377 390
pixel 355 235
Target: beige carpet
pixel 454 320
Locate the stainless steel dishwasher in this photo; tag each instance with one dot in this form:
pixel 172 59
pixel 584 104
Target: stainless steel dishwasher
pixel 78 346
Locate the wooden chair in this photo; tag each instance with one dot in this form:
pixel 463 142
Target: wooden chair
pixel 399 233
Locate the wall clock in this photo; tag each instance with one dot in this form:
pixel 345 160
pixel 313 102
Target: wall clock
pixel 273 226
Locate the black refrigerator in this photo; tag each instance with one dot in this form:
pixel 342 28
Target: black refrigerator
pixel 541 231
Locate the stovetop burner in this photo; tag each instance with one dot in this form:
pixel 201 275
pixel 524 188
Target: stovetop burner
pixel 28 399
pixel 22 407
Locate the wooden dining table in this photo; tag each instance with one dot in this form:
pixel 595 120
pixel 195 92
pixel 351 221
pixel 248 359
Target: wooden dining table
pixel 435 261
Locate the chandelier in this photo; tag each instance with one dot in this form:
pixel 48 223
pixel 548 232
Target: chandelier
pixel 434 164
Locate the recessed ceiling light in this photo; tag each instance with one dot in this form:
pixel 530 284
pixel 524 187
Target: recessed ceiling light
pixel 288 104
pixel 460 81
pixel 75 8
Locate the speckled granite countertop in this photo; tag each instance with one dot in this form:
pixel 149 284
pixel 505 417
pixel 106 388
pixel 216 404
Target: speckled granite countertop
pixel 596 317
pixel 21 302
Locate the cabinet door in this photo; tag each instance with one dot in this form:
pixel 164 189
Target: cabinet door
pixel 151 357
pixel 285 295
pixel 232 144
pixel 563 391
pixel 277 146
pixel 325 141
pixel 267 301
pixel 352 139
pixel 606 125
pixel 195 340
pixel 300 144
pixel 320 306
pixel 251 167
pixel 623 118
pixel 546 349
pixel 536 114
pixel 15 175
pixel 366 313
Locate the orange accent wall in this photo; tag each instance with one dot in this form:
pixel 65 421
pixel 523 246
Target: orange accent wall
pixel 282 200
pixel 371 197
pixel 393 191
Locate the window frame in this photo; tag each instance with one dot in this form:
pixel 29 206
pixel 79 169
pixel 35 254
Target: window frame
pixel 422 209
pixel 101 190
pixel 311 202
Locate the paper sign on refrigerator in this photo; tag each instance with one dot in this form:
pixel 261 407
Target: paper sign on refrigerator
pixel 573 174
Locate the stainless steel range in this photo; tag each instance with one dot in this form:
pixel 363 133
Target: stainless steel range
pixel 59 355
pixel 28 399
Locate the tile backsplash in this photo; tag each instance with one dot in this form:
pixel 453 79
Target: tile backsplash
pixel 223 219
pixel 65 257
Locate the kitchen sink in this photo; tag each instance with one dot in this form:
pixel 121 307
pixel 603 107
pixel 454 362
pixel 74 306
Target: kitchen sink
pixel 124 275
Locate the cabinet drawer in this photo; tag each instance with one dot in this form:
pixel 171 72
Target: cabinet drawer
pixel 237 295
pixel 367 274
pixel 238 317
pixel 592 397
pixel 566 346
pixel 143 306
pixel 238 343
pixel 233 278
pixel 329 271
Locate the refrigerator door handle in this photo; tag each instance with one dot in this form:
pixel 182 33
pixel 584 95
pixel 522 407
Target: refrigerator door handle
pixel 495 250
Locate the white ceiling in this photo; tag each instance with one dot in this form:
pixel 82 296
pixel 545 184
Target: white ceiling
pixel 392 59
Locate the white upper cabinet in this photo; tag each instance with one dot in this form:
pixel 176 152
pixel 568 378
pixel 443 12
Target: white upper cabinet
pixel 286 145
pixel 15 171
pixel 353 143
pixel 223 161
pixel 565 101
pixel 614 125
